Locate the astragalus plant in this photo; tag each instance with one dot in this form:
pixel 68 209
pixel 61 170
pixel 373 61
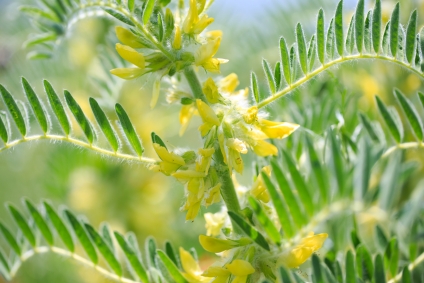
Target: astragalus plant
pixel 334 195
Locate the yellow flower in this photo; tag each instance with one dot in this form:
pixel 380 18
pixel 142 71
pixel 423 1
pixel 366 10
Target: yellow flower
pixel 229 83
pixel 192 24
pixel 204 54
pixel 263 148
pixel 251 115
pixel 276 130
pixel 128 38
pixel 188 174
pixel 127 73
pixel 186 113
pixel 300 253
pixel 214 195
pixel 131 55
pixel 192 272
pixel 176 44
pixel 208 116
pixel 240 269
pixel 205 159
pixel 215 245
pixel 237 145
pixel 214 223
pixel 259 190
pixel 235 161
pixel 167 156
pixel 221 274
pixel 210 90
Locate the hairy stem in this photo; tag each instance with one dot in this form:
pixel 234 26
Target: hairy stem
pixel 406 145
pixel 81 144
pixel 326 66
pixel 228 191
pixel 41 250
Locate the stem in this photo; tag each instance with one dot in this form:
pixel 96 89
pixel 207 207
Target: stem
pixel 405 145
pixel 194 83
pixel 411 267
pixel 228 191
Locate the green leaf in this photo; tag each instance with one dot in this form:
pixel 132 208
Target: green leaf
pixel 35 103
pixel 410 37
pixel 386 39
pixel 23 225
pixel 381 237
pixel 354 237
pixel 285 60
pixel 350 38
pixel 40 39
pixel 277 75
pixel 394 31
pixel 318 171
pixel 300 184
pixel 40 222
pixel 148 10
pixel 376 26
pixel 161 29
pixel 364 263
pixel 391 255
pixel 406 275
pixel 368 32
pixel 249 230
pixel 158 140
pixel 269 76
pixel 359 25
pixel 119 16
pixel 14 110
pixel 337 162
pixel 10 239
pixel 317 269
pixel 284 275
pixel 254 86
pixel 3 129
pixel 350 268
pixel 38 13
pixel 339 28
pixel 331 41
pixel 389 192
pixel 379 274
pixel 362 169
pixel 389 120
pixel 280 207
pixel 311 53
pixel 129 130
pixel 104 250
pixel 321 37
pixel 150 248
pixel 105 234
pixel 411 113
pixel 171 267
pixel 132 258
pixel 421 97
pixel 290 199
pixel 329 277
pixel 57 107
pixel 80 117
pixel 264 221
pixel 82 237
pixel 104 124
pixel 60 227
pixel 171 253
pixel 4 263
pixel 301 48
pixel 368 127
pixel 130 5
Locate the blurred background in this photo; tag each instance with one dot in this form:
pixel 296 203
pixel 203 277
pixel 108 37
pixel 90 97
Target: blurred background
pixel 127 196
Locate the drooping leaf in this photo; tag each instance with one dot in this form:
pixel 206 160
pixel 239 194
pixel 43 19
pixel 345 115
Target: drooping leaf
pixel 249 230
pixel 339 28
pixel 321 36
pixel 80 117
pixel 171 267
pixel 57 107
pixel 104 124
pixel 359 25
pixel 119 16
pixel 129 130
pixel 376 26
pixel 104 250
pixel 269 76
pixel 132 257
pixel 280 207
pixel 14 110
pixel 410 37
pixel 301 48
pixel 394 31
pixel 265 221
pixel 82 237
pixel 40 222
pixel 36 105
pixel 60 227
pixel 285 60
pixel 411 113
pixel 389 120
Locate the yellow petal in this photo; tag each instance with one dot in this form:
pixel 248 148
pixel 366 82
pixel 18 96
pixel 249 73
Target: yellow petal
pixel 214 34
pixel 207 51
pixel 251 115
pixel 276 130
pixel 127 73
pixel 127 37
pixel 214 195
pixel 210 90
pixel 314 242
pixel 155 94
pixel 188 263
pixel 168 168
pixel 202 24
pixel 235 160
pixel 240 267
pixel 237 145
pixel 186 113
pixel 229 83
pixel 131 55
pixel 215 245
pixel 206 152
pixel 213 64
pixel 214 223
pixel 207 114
pixel 263 148
pixel 170 157
pixel 176 44
pixel 192 212
pixel 215 271
pixel 240 279
pixel 192 17
pixel 188 174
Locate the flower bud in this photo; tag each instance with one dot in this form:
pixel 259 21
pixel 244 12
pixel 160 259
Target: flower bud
pixel 128 38
pixel 131 55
